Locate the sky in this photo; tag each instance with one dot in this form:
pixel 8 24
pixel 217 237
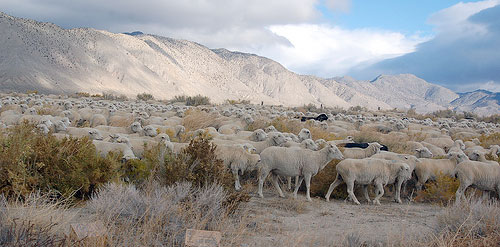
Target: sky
pixel 451 43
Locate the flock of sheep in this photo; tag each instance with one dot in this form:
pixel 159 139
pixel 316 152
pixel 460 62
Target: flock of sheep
pixel 290 155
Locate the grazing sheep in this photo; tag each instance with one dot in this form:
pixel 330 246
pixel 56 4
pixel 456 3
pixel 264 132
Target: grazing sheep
pixel 94 134
pixel 428 169
pixel 307 144
pixel 273 139
pixel 360 153
pixel 290 162
pixel 348 139
pixel 458 147
pixel 480 175
pixel 150 131
pixel 304 134
pixel 270 129
pixel 378 172
pixel 103 148
pixel 495 151
pixel 238 160
pixel 443 142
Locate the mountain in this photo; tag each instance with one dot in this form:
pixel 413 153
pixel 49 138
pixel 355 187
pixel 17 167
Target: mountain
pixel 44 57
pixel 481 102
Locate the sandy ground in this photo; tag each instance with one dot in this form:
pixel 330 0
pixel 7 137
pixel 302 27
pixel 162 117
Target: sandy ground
pixel 275 221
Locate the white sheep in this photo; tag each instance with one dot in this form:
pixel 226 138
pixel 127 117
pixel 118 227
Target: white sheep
pixel 98 119
pixel 481 175
pixel 479 156
pixel 428 169
pixel 290 162
pixel 238 160
pixel 435 150
pixel 304 134
pixel 258 135
pixel 368 171
pixel 361 153
pixel 103 148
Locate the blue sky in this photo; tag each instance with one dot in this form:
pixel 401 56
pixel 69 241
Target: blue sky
pixel 452 43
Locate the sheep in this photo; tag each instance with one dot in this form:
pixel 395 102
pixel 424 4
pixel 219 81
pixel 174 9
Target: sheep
pixel 270 129
pixel 495 151
pixel 98 119
pixel 94 134
pixel 362 145
pixel 430 168
pixel 139 144
pixel 423 153
pixel 273 139
pixel 435 150
pixel 103 148
pixel 458 147
pixel 150 131
pixel 368 171
pixel 295 162
pixel 481 175
pixel 238 160
pixel 258 135
pixel 360 153
pixel 443 142
pixel 304 134
pixel 229 129
pixel 307 144
pixel 348 139
pixel 479 156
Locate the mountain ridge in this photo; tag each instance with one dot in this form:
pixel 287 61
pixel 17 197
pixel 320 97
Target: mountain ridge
pixel 45 57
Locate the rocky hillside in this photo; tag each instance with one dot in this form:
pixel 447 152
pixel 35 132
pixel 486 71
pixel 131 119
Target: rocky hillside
pixel 44 57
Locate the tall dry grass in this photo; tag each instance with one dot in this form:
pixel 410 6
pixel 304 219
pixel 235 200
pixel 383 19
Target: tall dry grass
pixel 196 119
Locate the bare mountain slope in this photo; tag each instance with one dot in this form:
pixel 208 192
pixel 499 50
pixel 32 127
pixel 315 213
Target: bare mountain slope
pixel 44 57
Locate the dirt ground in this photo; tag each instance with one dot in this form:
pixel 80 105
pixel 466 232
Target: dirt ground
pixel 275 221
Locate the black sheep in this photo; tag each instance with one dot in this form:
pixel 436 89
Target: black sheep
pixel 364 145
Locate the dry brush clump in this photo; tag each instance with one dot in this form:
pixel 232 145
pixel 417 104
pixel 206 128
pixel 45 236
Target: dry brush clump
pixel 197 119
pixel 488 140
pixel 32 161
pixel 191 100
pixel 321 182
pixel 441 191
pixel 473 222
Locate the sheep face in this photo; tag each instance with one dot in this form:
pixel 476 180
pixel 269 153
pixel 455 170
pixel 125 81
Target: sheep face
pixel 423 153
pixel 114 138
pixel 60 126
pixel 278 139
pixel 304 134
pixel 163 137
pixel 309 144
pixel 135 127
pixel 460 144
pixel 270 129
pixel 95 135
pixel 334 152
pixel 258 135
pixel 249 148
pixel 150 131
pixel 404 172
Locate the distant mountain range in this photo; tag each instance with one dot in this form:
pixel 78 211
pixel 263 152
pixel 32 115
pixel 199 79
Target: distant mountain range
pixel 44 57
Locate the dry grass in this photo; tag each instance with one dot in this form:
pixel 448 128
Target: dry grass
pixel 488 140
pixel 196 119
pixel 290 205
pixel 441 191
pixel 48 110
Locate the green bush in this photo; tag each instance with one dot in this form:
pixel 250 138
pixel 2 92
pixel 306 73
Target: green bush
pixel 32 161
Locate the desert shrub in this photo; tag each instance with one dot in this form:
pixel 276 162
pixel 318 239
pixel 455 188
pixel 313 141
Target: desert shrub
pixel 192 100
pixel 47 110
pixel 237 102
pixel 31 161
pixel 488 140
pixel 161 215
pixel 258 123
pixel 441 191
pixel 196 119
pixel 31 91
pixel 110 96
pixel 473 222
pixel 495 118
pixel 289 205
pixel 197 164
pixel 82 94
pixel 321 182
pixel 145 96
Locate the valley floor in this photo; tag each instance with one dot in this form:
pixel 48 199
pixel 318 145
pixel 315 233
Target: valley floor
pixel 275 221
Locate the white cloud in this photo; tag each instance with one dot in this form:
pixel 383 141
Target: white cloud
pixel 339 5
pixel 330 50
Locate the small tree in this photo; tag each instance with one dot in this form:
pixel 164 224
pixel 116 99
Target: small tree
pixel 145 96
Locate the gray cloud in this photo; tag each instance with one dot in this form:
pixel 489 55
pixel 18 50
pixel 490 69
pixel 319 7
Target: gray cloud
pixel 464 58
pixel 215 23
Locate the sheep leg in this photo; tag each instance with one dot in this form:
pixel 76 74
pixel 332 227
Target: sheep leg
pixel 460 191
pixel 277 185
pixel 397 196
pixel 237 185
pixel 307 178
pixel 379 191
pixel 350 191
pixel 289 183
pixel 337 182
pixel 262 177
pixel 298 182
pixel 365 193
